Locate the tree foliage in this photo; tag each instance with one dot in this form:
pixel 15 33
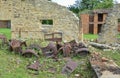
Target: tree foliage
pixel 81 5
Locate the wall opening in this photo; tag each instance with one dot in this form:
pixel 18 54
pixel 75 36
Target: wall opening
pixel 47 22
pixel 91 18
pixel 100 17
pixel 118 28
pixel 119 25
pixel 5 28
pixel 99 28
pixel 91 28
pixel 5 24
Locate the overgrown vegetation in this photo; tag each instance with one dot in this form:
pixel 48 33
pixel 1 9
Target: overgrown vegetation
pixel 118 36
pixel 6 32
pixel 14 66
pixel 112 55
pixel 82 5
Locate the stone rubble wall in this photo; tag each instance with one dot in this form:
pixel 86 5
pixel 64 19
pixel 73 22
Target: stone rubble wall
pixel 110 28
pixel 26 16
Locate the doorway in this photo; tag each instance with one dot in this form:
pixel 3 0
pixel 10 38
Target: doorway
pixel 99 28
pixel 5 24
pixel 91 28
pixel 5 28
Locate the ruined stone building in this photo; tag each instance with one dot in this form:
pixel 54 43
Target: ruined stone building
pixel 109 32
pixel 31 19
pixel 92 22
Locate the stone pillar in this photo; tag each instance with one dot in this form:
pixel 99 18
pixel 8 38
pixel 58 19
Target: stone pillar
pixel 104 17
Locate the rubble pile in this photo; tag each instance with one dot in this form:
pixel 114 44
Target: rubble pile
pixel 101 65
pixel 52 50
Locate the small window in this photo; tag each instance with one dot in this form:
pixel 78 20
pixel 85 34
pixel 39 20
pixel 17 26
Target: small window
pixel 22 0
pixel 118 20
pixel 4 0
pixel 91 28
pixel 91 18
pixel 47 22
pixel 99 28
pixel 119 25
pixel 100 17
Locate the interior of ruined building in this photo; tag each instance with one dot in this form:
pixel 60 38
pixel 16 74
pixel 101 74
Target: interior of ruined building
pixel 94 23
pixel 118 25
pixel 5 24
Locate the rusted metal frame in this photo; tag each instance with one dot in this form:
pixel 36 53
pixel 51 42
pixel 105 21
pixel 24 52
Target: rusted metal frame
pixel 35 66
pixel 16 45
pixel 53 36
pixel 58 45
pixel 73 43
pixel 66 49
pixel 81 50
pixel 69 67
pixel 50 50
pixel 46 52
pixel 35 46
pixel 29 53
pixel 4 40
pixel 81 45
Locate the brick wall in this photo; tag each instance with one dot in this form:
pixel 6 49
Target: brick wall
pixel 85 23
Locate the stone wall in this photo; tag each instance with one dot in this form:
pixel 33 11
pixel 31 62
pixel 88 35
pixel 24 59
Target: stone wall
pixel 26 19
pixel 110 28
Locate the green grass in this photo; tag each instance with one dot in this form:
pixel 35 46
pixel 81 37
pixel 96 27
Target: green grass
pixel 118 36
pixel 6 31
pixel 90 36
pixel 93 36
pixel 14 66
pixel 114 55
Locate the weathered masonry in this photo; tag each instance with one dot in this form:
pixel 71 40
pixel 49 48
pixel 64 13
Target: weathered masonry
pixel 31 19
pixel 92 22
pixel 110 28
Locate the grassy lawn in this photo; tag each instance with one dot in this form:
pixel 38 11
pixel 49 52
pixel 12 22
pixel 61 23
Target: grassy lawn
pixel 118 36
pixel 94 36
pixel 90 36
pixel 14 66
pixel 6 31
pixel 114 55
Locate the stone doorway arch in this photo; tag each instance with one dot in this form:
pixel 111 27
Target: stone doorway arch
pixel 110 27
